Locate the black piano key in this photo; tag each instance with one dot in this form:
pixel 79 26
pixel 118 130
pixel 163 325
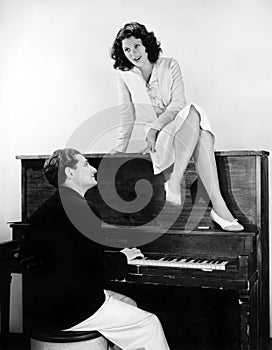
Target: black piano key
pixel 156 257
pixel 213 261
pixel 219 261
pixel 178 259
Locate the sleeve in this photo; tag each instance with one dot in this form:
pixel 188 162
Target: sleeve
pixel 27 247
pixel 112 264
pixel 127 116
pixel 177 98
pixel 33 255
pixel 32 247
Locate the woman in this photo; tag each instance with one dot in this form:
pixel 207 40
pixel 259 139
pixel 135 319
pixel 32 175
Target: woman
pixel 151 92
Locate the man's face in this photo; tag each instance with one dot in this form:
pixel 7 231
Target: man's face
pixel 83 174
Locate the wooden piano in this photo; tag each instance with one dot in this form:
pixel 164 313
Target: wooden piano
pixel 185 254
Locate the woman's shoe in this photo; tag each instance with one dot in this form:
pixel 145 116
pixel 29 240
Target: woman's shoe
pixel 232 226
pixel 172 197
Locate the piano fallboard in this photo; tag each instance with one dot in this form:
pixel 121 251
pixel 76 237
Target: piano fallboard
pixel 173 241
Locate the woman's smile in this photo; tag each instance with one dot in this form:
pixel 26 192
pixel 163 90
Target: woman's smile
pixel 135 51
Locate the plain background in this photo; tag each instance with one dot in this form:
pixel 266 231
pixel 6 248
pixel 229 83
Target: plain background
pixel 56 73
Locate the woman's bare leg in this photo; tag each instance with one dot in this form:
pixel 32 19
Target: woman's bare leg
pixel 192 140
pixel 206 168
pixel 185 142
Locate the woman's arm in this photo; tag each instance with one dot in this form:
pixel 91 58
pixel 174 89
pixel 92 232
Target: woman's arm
pixel 127 116
pixel 177 98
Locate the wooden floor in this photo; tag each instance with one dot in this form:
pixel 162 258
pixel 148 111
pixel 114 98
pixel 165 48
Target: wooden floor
pixel 19 342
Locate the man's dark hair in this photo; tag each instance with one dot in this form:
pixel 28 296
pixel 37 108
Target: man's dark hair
pixel 54 166
pixel 139 31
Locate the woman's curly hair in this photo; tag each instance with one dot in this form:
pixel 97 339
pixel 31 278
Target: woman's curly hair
pixel 139 31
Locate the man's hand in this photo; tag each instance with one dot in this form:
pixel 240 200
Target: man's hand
pixel 132 253
pixel 151 138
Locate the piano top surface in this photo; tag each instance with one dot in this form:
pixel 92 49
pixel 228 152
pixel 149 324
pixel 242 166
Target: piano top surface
pixel 232 153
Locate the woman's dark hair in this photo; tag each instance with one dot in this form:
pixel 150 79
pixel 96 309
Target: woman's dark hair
pixel 139 31
pixel 54 166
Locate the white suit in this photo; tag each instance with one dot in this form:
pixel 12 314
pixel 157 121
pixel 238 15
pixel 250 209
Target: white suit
pixel 159 104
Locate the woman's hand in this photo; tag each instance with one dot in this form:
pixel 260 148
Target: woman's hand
pixel 151 138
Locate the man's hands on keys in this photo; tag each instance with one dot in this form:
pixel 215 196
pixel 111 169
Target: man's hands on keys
pixel 132 253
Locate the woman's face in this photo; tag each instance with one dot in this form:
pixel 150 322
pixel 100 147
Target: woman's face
pixel 135 51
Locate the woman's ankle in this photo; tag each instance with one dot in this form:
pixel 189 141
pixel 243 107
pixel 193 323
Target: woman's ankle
pixel 174 184
pixel 222 210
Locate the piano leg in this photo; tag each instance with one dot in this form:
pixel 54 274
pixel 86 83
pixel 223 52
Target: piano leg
pixel 249 324
pixel 5 279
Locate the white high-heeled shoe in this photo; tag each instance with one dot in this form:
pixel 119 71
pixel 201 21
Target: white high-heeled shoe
pixel 172 197
pixel 232 226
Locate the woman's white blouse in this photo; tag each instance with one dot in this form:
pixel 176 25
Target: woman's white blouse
pixel 140 101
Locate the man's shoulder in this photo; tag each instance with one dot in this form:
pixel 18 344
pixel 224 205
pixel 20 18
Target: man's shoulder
pixel 50 208
pixel 91 196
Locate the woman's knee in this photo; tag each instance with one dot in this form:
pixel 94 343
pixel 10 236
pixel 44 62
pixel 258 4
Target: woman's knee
pixel 194 114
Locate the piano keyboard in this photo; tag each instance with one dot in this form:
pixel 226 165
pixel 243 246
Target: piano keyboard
pixel 183 263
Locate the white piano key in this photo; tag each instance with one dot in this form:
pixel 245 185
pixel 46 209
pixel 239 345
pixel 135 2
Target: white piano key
pixel 221 265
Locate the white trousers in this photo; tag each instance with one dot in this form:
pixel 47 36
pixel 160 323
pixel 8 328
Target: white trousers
pixel 125 325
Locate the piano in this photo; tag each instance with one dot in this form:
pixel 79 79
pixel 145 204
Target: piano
pixel 184 252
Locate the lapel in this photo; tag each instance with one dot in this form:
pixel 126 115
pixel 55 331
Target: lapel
pixel 141 101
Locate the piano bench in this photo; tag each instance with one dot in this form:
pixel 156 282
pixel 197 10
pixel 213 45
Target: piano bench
pixel 67 340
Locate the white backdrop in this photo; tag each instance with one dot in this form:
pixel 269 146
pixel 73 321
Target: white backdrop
pixel 55 72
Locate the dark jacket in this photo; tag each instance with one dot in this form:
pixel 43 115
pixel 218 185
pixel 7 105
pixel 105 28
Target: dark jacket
pixel 67 287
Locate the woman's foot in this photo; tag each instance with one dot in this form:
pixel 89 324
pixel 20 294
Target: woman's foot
pixel 232 226
pixel 172 197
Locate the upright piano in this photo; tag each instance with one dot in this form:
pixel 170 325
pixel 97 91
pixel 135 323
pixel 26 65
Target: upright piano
pixel 184 252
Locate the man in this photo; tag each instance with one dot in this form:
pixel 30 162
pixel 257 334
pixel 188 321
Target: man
pixel 65 291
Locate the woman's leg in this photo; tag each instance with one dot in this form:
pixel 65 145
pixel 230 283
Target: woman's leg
pixel 206 168
pixel 192 140
pixel 185 142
